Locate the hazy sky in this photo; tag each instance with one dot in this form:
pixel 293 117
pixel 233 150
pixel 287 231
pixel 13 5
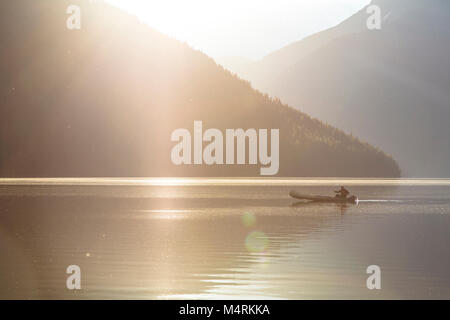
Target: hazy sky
pixel 247 28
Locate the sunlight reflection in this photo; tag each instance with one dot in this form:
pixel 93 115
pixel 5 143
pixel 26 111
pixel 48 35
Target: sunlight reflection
pixel 223 181
pixel 169 214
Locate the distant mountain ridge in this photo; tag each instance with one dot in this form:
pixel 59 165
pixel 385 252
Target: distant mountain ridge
pixel 104 100
pixel 388 86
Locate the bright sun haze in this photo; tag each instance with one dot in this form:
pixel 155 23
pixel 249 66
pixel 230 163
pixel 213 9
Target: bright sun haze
pixel 249 28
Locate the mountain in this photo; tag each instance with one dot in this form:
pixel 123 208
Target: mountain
pixel 390 86
pixel 104 100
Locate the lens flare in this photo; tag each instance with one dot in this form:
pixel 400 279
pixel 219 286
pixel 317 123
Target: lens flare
pixel 248 219
pixel 256 241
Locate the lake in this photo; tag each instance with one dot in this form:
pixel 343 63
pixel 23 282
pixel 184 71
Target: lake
pixel 223 239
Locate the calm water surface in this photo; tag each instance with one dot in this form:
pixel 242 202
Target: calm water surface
pixel 227 239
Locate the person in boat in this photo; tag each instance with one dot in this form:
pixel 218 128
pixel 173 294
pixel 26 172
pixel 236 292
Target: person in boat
pixel 342 193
